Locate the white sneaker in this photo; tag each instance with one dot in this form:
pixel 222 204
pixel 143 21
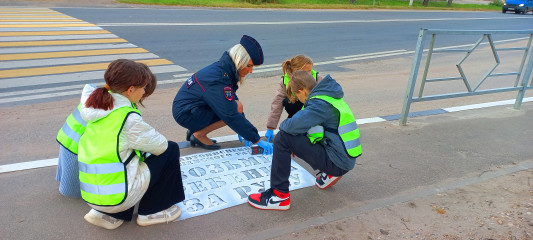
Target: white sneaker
pixel 165 216
pixel 323 180
pixel 102 220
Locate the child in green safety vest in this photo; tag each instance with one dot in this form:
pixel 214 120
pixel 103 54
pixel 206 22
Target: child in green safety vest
pixel 68 137
pixel 281 101
pixel 333 154
pixel 123 161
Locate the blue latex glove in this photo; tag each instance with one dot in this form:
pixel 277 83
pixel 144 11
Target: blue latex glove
pixel 269 149
pixel 246 142
pixel 269 135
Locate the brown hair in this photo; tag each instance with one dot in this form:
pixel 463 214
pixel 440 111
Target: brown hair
pixel 150 87
pixel 299 80
pixel 295 63
pixel 119 76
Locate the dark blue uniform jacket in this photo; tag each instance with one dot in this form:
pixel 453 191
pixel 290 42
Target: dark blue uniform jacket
pixel 213 89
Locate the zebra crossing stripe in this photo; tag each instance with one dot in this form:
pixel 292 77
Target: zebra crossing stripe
pixel 6 21
pixel 69 69
pixel 46 25
pixel 61 42
pixel 21 56
pixel 51 33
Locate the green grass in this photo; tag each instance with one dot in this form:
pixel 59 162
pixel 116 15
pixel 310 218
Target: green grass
pixel 320 4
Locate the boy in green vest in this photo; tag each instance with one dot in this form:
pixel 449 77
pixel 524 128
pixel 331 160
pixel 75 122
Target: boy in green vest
pixel 333 154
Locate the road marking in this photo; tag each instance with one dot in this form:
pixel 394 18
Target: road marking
pixel 66 78
pixel 19 20
pixel 48 29
pixel 69 69
pixel 292 22
pixel 56 37
pixel 53 162
pixel 372 54
pixel 38 50
pixel 75 60
pixel 3 25
pixel 60 42
pixel 47 33
pixel 20 56
pixel 66 48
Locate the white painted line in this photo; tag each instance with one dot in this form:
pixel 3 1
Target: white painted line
pixel 48 79
pixel 57 37
pixel 362 58
pixel 48 17
pixel 48 29
pixel 370 120
pixel 66 48
pixel 370 54
pixel 485 105
pixel 40 90
pixel 183 75
pixel 33 23
pixel 292 22
pixel 177 80
pixel 74 60
pixel 73 77
pixel 28 165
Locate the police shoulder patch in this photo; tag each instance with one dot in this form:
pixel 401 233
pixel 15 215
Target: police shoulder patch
pixel 228 93
pixel 189 82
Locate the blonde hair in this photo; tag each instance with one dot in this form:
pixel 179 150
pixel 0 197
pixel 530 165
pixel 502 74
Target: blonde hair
pixel 299 80
pixel 295 63
pixel 240 57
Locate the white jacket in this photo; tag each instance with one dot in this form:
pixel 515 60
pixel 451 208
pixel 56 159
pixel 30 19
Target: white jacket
pixel 136 135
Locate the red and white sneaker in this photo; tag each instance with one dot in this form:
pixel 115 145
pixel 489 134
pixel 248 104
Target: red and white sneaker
pixel 323 180
pixel 271 199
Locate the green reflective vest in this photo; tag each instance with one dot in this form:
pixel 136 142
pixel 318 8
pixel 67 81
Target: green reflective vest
pixel 347 130
pixel 286 78
pixel 70 133
pixel 103 179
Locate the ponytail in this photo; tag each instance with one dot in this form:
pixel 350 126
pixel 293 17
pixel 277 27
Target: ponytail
pixel 286 67
pixel 100 99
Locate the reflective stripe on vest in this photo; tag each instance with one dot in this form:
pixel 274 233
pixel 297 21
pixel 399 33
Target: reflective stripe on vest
pixel 286 78
pixel 102 172
pixel 347 129
pixel 315 134
pixel 69 135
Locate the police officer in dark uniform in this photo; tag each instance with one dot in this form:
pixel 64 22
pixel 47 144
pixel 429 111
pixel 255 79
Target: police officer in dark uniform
pixel 207 100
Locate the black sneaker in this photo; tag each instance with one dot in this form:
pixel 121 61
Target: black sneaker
pixel 323 180
pixel 271 199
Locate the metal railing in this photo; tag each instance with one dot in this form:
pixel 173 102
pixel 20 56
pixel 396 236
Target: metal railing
pixel 522 76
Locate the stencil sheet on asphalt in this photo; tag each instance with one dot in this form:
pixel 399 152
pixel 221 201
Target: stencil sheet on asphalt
pixel 224 178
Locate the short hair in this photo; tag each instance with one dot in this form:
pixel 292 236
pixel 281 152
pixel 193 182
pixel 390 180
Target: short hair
pixel 300 80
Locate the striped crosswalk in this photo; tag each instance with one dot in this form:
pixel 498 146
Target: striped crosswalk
pixel 45 54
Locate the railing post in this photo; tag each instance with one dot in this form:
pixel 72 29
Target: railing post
pixel 419 50
pixel 525 80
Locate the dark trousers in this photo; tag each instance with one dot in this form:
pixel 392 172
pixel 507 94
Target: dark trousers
pixel 313 154
pixel 166 187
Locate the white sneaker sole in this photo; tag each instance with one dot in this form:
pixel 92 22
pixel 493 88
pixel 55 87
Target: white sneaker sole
pixel 329 185
pixel 149 222
pixel 270 207
pixel 100 222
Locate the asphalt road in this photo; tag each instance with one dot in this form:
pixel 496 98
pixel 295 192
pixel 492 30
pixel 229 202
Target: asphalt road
pixel 192 38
